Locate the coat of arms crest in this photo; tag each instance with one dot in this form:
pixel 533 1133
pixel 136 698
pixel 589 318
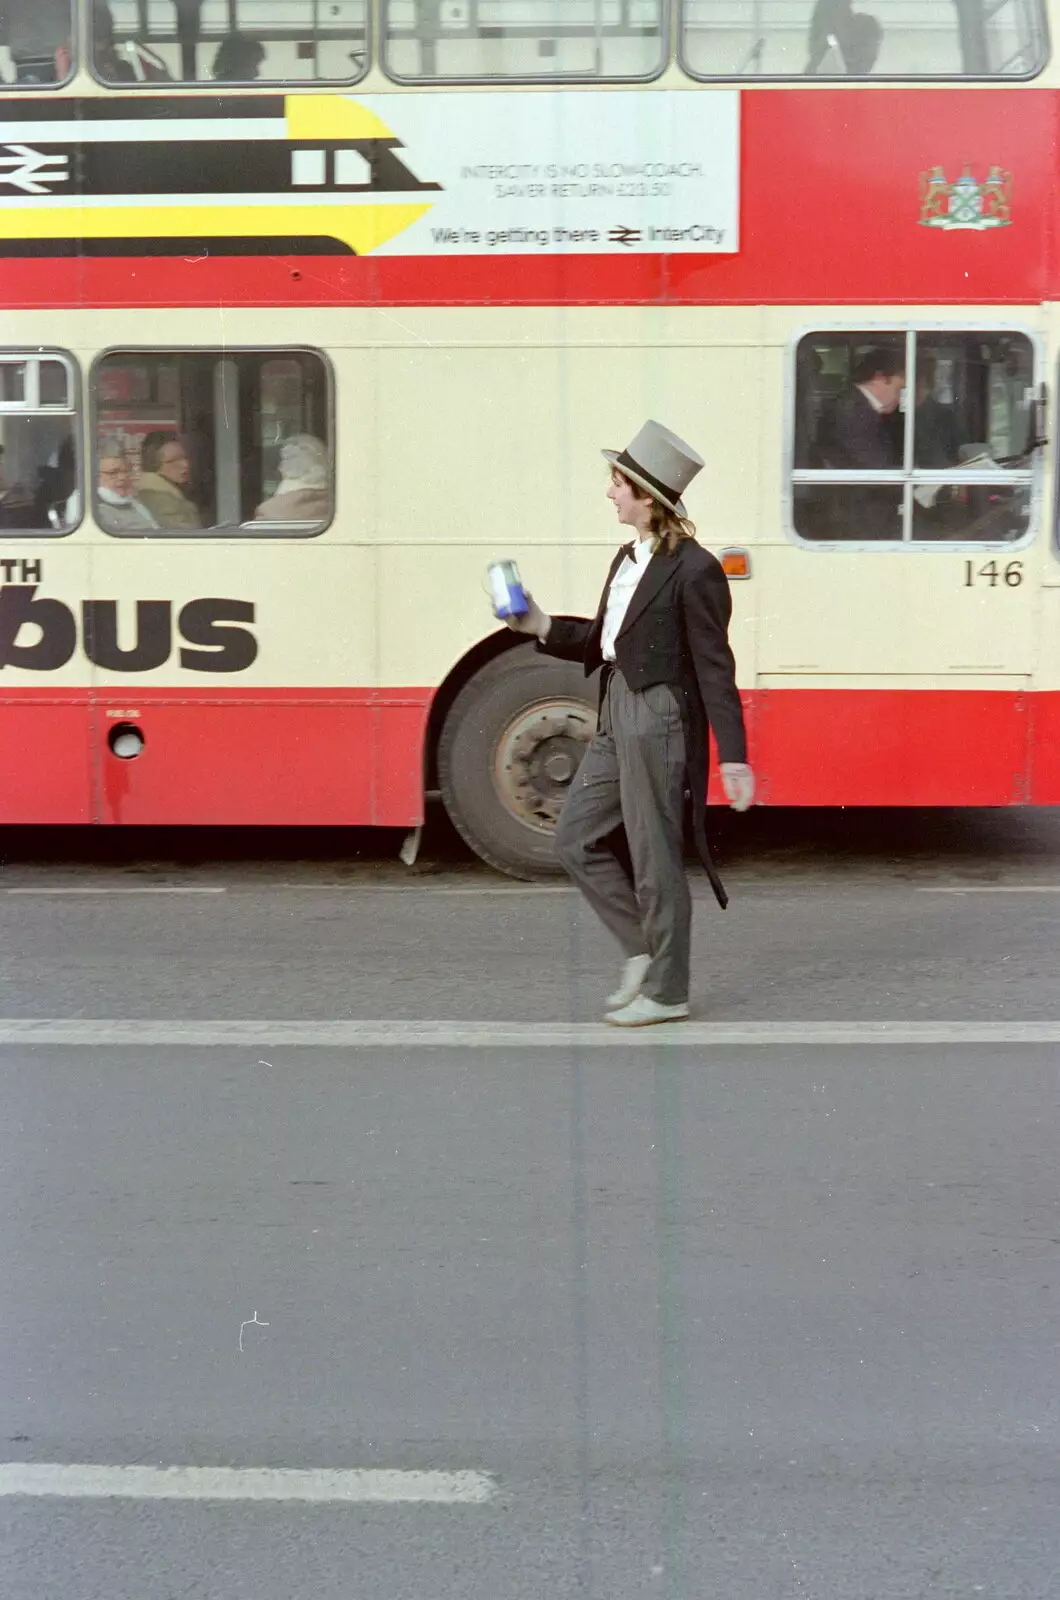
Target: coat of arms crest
pixel 966 203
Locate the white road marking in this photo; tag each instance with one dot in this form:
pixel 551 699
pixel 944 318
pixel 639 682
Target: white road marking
pixel 132 889
pixel 191 1032
pixel 356 1485
pixel 993 888
pixel 503 890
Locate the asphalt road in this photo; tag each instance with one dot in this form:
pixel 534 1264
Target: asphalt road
pixel 704 1319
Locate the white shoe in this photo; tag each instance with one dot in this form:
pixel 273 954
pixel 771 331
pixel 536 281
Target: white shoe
pixel 632 978
pixel 642 1012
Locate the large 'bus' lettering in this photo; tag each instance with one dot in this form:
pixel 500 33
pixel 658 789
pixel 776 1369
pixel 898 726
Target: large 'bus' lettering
pixel 200 623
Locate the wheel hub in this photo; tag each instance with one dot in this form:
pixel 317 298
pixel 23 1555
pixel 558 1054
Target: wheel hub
pixel 537 756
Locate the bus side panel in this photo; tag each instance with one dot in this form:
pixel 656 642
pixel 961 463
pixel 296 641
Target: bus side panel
pixel 45 774
pixel 347 761
pixel 893 747
pixel 836 208
pixel 1044 784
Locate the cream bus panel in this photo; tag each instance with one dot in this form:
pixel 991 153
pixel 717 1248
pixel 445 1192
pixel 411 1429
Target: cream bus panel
pixel 889 613
pixel 308 612
pixel 464 436
pixel 314 621
pixel 516 438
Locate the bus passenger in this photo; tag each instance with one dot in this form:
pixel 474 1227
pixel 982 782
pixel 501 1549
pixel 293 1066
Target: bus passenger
pixel 108 63
pixel 852 37
pixel 56 482
pixel 661 637
pixel 861 433
pixel 937 436
pixel 117 509
pixel 37 35
pixel 238 59
pixel 861 48
pixel 14 506
pixel 303 493
pixel 828 24
pixel 163 476
pixel 18 501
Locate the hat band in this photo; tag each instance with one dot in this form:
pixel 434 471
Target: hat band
pixel 624 459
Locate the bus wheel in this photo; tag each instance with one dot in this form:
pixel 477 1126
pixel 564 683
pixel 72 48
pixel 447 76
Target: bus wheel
pixel 510 746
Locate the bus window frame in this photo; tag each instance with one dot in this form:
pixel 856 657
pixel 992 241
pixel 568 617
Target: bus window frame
pixel 830 79
pixel 669 33
pixel 223 85
pixel 76 64
pixel 75 410
pixel 907 480
pixel 239 531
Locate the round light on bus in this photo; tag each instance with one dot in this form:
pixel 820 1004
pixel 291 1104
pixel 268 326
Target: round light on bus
pixel 125 741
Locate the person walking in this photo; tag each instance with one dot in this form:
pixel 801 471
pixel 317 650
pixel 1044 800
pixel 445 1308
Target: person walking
pixel 660 634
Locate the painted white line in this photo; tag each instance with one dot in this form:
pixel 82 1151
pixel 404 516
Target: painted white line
pixel 502 891
pixel 505 891
pixel 137 889
pixel 192 1033
pixel 994 888
pixel 356 1485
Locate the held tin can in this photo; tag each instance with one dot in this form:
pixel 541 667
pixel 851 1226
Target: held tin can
pixel 506 589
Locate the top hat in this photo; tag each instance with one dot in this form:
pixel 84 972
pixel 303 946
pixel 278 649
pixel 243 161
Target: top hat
pixel 659 462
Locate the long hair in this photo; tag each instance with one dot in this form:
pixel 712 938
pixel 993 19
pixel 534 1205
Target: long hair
pixel 667 528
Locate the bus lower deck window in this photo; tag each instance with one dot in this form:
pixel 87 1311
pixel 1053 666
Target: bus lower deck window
pixel 39 430
pixel 197 440
pixel 913 437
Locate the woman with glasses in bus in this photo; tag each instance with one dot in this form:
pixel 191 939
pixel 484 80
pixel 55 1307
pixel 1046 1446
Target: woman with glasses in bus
pixel 660 634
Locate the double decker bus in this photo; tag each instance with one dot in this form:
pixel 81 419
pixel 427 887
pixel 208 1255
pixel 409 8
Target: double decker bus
pixel 310 312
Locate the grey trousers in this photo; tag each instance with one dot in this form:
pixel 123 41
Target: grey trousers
pixel 633 774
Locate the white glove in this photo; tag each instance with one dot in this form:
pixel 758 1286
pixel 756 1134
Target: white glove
pixel 738 782
pixel 533 621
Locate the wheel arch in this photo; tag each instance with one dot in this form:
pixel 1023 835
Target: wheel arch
pixel 459 675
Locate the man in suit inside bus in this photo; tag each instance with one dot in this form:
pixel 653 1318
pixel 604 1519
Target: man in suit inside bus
pixel 864 434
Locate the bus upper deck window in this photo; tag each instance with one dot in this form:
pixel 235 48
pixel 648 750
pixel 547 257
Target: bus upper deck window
pixel 526 40
pixel 238 42
pixel 872 38
pixel 36 44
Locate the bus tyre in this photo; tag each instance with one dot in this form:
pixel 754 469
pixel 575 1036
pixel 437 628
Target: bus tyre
pixel 510 746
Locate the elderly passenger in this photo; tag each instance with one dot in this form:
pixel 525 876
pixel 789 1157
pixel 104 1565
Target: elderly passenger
pixel 164 474
pixel 118 509
pixel 303 493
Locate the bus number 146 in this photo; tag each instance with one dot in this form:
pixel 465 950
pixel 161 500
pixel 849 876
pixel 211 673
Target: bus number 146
pixel 1011 574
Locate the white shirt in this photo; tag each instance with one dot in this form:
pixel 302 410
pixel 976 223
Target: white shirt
pixel 877 405
pixel 623 584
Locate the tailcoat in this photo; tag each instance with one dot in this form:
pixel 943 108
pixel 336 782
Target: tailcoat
pixel 674 632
